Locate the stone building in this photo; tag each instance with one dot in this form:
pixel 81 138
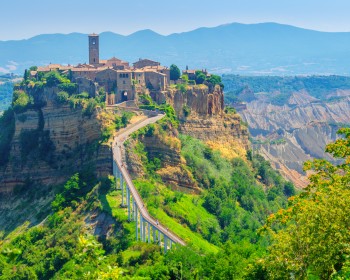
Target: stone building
pixel 121 81
pixel 144 63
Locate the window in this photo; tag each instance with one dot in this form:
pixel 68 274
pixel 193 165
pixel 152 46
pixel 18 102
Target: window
pixel 123 82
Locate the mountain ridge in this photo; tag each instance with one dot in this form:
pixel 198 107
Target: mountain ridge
pixel 254 49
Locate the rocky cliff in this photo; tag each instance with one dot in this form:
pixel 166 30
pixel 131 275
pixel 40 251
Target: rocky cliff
pixel 162 145
pixel 201 113
pixel 52 142
pixel 297 130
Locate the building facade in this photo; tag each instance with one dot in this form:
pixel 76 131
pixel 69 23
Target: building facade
pixel 118 79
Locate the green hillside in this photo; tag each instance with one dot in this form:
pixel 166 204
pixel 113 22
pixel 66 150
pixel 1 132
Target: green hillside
pixel 219 224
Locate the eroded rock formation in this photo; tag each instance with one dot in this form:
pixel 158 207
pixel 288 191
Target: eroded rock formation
pixel 53 142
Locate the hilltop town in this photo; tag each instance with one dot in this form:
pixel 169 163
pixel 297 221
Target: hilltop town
pixel 120 81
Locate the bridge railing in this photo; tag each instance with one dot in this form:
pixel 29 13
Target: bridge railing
pixel 137 199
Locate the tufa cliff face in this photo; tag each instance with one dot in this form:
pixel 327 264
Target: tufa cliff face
pixel 202 116
pixel 53 142
pixel 196 100
pixel 165 146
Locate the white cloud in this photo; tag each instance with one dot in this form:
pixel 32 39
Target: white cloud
pixel 3 70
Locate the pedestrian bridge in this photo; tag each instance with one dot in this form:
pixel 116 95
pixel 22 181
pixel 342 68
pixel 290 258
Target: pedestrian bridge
pixel 148 229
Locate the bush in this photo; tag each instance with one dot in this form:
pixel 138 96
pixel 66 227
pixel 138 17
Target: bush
pixel 200 77
pixel 70 88
pixel 181 87
pixel 90 107
pixel 20 101
pixel 148 107
pixel 62 97
pixel 54 78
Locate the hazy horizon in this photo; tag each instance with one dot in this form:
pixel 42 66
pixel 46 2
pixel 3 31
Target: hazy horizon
pixel 35 18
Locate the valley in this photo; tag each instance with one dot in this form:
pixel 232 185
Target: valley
pixel 291 119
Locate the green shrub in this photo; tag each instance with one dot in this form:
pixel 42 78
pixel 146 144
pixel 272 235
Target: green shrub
pixel 148 107
pixel 200 77
pixel 54 78
pixel 90 107
pixel 62 97
pixel 181 87
pixel 70 88
pixel 20 101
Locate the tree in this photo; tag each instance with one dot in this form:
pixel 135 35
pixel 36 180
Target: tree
pixel 200 77
pixel 215 80
pixel 314 239
pixel 174 72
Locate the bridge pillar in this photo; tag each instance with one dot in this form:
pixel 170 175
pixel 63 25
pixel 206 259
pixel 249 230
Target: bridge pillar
pixel 141 227
pixel 137 224
pixel 171 244
pixel 128 202
pixel 159 238
pixel 149 233
pixel 165 243
pixel 122 188
pixel 134 208
pixel 154 234
pixel 143 230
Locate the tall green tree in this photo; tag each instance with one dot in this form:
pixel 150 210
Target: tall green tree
pixel 314 235
pixel 175 72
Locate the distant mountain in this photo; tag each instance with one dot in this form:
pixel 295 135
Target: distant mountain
pixel 254 49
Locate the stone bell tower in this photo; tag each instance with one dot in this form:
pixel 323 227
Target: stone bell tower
pixel 94 49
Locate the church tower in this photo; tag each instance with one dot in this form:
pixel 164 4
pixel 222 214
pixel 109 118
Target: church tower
pixel 94 49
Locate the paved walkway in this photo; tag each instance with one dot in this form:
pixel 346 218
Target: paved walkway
pixel 118 147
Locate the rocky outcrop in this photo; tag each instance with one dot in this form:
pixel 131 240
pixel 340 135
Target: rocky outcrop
pixel 53 142
pixel 195 101
pixel 166 147
pixel 296 131
pixel 201 114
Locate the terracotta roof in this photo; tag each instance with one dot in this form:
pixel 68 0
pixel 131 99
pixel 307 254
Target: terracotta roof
pixel 145 59
pixel 43 69
pixel 137 70
pixel 189 71
pixel 155 68
pixel 152 71
pixel 85 69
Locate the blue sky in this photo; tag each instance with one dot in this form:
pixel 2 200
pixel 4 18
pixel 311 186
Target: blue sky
pixel 23 19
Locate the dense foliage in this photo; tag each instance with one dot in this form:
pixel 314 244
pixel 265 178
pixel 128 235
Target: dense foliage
pixel 314 238
pixel 119 121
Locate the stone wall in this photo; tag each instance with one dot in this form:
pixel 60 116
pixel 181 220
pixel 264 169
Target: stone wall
pixel 155 81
